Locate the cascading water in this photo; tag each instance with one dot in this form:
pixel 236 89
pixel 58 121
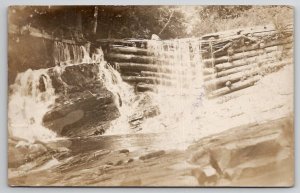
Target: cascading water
pixel 181 100
pixel 177 101
pixel 183 59
pixel 123 93
pixel 30 98
pixel 32 95
pixel 70 53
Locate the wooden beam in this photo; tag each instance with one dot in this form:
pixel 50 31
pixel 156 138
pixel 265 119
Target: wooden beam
pixel 130 58
pixel 242 55
pixel 130 50
pixel 149 80
pixel 276 55
pixel 143 87
pixel 215 83
pixel 258 46
pixel 234 87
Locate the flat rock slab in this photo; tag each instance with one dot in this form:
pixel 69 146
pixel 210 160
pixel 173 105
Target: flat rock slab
pixel 236 157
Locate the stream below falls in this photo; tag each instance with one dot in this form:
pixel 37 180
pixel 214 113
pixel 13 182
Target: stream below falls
pixel 181 116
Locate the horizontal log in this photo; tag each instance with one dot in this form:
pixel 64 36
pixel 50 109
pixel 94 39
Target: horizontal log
pixel 256 36
pixel 159 55
pixel 234 87
pixel 207 71
pixel 258 46
pixel 122 41
pixel 149 80
pixel 158 74
pixel 215 83
pixel 176 76
pixel 247 30
pixel 241 68
pixel 143 87
pixel 138 67
pixel 143 59
pixel 277 64
pixel 218 41
pixel 130 58
pixel 237 69
pixel 130 50
pixel 131 73
pixel 238 56
pixel 254 59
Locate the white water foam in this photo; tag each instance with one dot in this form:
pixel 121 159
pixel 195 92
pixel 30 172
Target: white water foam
pixel 31 96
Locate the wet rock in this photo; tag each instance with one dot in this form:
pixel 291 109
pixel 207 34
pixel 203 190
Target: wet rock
pixel 102 169
pixel 132 182
pixel 59 145
pixel 91 112
pixel 62 155
pixel 124 151
pixel 100 131
pixel 120 162
pixel 35 149
pixel 269 171
pixel 201 157
pixel 130 160
pixel 260 155
pixel 232 155
pixel 22 152
pixel 152 155
pixel 79 76
pixel 83 102
pixel 151 111
pixel 229 174
pixel 101 153
pixel 135 117
pixel 109 163
pixel 206 175
pixel 62 149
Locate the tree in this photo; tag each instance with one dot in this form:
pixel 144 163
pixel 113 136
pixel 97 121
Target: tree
pixel 103 21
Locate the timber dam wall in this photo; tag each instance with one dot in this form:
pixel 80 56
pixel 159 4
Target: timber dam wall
pixel 228 61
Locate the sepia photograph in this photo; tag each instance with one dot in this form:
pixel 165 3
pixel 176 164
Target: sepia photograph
pixel 150 96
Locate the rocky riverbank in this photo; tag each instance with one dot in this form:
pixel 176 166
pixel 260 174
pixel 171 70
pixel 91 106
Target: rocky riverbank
pixel 255 154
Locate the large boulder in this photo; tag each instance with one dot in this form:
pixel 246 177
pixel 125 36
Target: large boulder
pixel 258 155
pixel 83 104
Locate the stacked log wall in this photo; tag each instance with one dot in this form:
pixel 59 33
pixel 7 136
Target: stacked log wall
pixel 231 60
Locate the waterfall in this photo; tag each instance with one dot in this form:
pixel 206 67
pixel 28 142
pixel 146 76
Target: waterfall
pixel 123 93
pixel 61 53
pixel 31 96
pixel 182 99
pixel 183 58
pixel 85 56
pixel 70 53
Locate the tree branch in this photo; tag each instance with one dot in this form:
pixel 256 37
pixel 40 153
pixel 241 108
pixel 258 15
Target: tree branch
pixel 166 23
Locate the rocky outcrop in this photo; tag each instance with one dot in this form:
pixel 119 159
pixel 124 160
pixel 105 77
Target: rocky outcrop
pixel 83 104
pixel 258 155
